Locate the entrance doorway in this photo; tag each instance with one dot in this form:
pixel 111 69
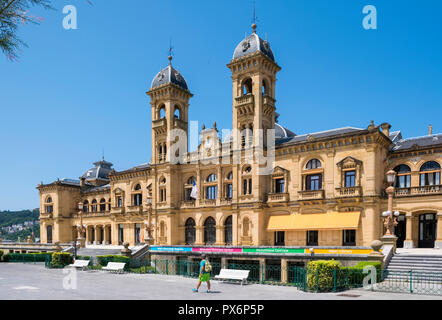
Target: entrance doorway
pixel 427 230
pixel 400 230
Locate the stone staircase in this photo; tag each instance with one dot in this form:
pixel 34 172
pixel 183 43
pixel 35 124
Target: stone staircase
pixel 419 266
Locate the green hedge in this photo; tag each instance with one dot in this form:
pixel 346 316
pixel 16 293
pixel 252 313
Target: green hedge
pixel 330 275
pixel 61 259
pixel 322 275
pixel 83 258
pixel 104 260
pixel 1 254
pixel 27 257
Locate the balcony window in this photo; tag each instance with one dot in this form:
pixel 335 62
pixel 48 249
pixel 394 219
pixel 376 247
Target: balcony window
pixel 313 182
pixel 430 174
pixel 94 205
pixel 211 192
pixel 119 201
pixel 350 179
pixel 279 185
pixel 229 191
pixel 137 199
pixel 403 177
pixel 209 231
pixel 102 205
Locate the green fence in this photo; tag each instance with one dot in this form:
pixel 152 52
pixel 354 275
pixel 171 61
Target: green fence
pixel 337 280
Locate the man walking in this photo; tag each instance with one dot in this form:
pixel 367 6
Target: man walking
pixel 204 275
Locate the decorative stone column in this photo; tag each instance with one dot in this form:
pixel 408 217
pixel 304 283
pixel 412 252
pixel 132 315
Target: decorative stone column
pixel 284 271
pixel 105 235
pixel 220 241
pixel 97 235
pixel 199 236
pixel 438 243
pixel 409 242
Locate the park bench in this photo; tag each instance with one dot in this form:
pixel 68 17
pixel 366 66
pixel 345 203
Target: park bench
pixel 229 274
pixel 114 266
pixel 79 264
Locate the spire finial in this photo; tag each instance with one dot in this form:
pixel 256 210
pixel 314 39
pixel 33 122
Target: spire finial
pixel 254 17
pixel 170 52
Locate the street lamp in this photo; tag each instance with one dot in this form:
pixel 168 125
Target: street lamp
pixel 148 226
pixel 81 227
pixel 389 217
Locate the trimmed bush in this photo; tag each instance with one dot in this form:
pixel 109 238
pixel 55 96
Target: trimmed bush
pixel 322 275
pixel 104 260
pixel 356 274
pixel 83 258
pixel 61 259
pixel 27 257
pixel 1 254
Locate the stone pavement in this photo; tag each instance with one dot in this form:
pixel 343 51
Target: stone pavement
pixel 34 281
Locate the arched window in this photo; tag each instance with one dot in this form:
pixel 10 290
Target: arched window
pixel 247 86
pixel 94 205
pixel 403 177
pixel 209 231
pixel 102 205
pixel 247 181
pixel 229 186
pixel 313 181
pixel 177 113
pixel 430 174
pixel 211 178
pixel 264 88
pixel 313 164
pixel 49 208
pixel 190 233
pixel 188 187
pixel 137 197
pixel 49 234
pixel 228 231
pixel 230 176
pixel 162 112
pixel 86 206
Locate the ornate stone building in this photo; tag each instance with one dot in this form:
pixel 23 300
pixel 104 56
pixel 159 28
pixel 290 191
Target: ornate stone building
pixel 325 188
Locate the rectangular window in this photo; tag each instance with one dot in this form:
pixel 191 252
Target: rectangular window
pixel 313 182
pixel 312 238
pixel 120 233
pixel 250 186
pixel 280 238
pixel 119 202
pixel 229 192
pixel 137 233
pixel 349 238
pixel 244 187
pixel 137 199
pixel 350 179
pixel 188 193
pixel 49 209
pixel 279 185
pixel 211 192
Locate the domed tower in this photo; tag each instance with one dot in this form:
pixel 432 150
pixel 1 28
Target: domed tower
pixel 170 97
pixel 254 72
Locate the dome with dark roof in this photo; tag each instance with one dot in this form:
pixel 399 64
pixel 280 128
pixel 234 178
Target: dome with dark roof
pixel 100 171
pixel 169 75
pixel 253 44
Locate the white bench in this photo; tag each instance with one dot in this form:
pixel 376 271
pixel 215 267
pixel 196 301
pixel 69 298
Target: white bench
pixel 79 264
pixel 114 266
pixel 229 274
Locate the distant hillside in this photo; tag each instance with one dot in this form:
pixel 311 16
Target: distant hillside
pixel 9 218
pixel 18 225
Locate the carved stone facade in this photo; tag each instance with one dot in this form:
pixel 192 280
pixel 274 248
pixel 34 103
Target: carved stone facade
pixel 339 173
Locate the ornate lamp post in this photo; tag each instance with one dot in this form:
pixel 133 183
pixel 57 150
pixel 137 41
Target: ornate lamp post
pixel 81 228
pixel 390 218
pixel 148 226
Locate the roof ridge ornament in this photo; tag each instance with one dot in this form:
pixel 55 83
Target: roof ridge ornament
pixel 254 26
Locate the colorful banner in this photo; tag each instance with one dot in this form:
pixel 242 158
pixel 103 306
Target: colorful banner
pixel 222 250
pixel 259 250
pixel 272 250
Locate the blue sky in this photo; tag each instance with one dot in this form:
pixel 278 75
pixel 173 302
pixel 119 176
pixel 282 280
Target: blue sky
pixel 74 93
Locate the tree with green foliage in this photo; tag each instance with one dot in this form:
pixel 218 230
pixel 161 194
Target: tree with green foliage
pixel 12 14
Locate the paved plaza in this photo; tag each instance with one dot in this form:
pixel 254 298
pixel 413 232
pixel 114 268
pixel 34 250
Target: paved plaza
pixel 34 281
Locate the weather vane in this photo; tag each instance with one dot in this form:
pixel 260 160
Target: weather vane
pixel 170 51
pixel 255 18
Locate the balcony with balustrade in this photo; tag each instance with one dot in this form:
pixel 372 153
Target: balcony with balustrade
pixel 418 191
